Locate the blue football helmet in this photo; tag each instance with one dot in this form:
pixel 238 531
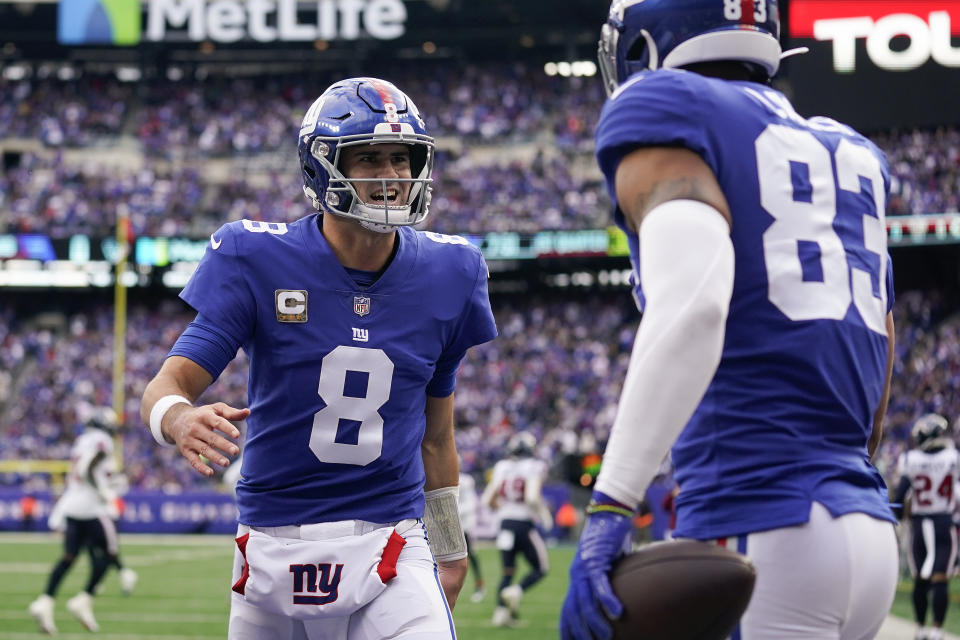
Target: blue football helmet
pixel 666 34
pixel 361 111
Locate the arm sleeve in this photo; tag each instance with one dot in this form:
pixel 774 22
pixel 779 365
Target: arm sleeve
pixel 219 291
pixel 207 345
pixel 476 326
pixel 688 263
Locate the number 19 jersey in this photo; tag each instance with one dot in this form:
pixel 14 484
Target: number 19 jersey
pixel 786 419
pixel 339 373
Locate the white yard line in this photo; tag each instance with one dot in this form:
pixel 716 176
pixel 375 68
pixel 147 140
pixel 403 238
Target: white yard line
pixel 153 559
pixel 135 616
pixel 144 539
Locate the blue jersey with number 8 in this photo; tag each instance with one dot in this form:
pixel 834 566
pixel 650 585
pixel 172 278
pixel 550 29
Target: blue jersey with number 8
pixel 339 374
pixel 786 419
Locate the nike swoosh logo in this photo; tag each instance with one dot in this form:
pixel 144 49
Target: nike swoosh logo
pixel 214 242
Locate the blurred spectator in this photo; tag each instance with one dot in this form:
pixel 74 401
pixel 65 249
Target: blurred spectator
pixel 516 152
pixel 556 370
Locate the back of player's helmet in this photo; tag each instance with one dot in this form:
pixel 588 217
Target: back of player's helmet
pixel 931 431
pixel 653 34
pixel 363 111
pixel 103 418
pixel 521 444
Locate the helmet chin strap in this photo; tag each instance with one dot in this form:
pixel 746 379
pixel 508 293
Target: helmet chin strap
pixel 372 212
pixel 379 228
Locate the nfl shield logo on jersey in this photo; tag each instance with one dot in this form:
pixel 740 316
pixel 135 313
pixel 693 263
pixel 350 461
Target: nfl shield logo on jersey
pixel 361 305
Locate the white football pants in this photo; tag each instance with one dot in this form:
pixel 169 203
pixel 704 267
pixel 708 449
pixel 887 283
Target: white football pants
pixel 828 579
pixel 412 605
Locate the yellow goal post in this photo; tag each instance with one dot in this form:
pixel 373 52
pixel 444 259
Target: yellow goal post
pixel 57 469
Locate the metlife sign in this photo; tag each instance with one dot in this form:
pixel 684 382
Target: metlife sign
pixel 119 22
pixel 877 63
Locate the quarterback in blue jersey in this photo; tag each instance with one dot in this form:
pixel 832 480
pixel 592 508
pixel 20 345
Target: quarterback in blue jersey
pixel 760 262
pixel 355 324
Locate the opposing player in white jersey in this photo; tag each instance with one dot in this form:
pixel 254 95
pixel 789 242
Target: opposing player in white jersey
pixel 515 491
pixel 355 324
pixel 929 476
pixel 86 513
pixel 764 352
pixel 469 508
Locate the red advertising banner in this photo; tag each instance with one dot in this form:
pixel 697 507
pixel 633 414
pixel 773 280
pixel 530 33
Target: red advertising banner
pixel 805 13
pixel 876 64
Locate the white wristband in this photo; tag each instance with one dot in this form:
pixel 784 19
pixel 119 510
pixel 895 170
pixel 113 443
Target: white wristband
pixel 159 410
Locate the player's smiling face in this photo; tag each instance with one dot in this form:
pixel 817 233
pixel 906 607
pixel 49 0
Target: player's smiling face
pixel 385 161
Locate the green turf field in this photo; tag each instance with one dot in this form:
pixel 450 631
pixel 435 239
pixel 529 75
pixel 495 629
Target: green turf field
pixel 183 593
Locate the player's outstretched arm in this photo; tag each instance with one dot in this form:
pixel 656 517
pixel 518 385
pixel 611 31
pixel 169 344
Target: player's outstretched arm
pixel 167 407
pixel 687 267
pixel 441 515
pixel 687 264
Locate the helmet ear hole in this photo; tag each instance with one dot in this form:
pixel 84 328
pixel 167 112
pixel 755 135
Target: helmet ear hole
pixel 637 49
pixel 418 159
pixel 307 169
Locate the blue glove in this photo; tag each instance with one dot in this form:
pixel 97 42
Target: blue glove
pixel 605 536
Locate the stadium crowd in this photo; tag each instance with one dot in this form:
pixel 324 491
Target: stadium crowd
pixel 540 175
pixel 60 199
pixel 925 170
pixel 515 153
pixel 555 370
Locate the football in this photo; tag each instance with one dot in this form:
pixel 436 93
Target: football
pixel 683 590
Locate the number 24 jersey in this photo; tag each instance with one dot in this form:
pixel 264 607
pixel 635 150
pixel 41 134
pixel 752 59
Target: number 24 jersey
pixel 786 419
pixel 933 477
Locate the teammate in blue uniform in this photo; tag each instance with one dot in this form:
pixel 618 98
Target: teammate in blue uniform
pixel 355 325
pixel 760 262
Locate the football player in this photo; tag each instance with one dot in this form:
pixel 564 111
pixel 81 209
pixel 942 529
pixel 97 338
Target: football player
pixel 514 491
pixel 355 324
pixel 468 520
pixel 760 263
pixel 86 513
pixel 928 475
